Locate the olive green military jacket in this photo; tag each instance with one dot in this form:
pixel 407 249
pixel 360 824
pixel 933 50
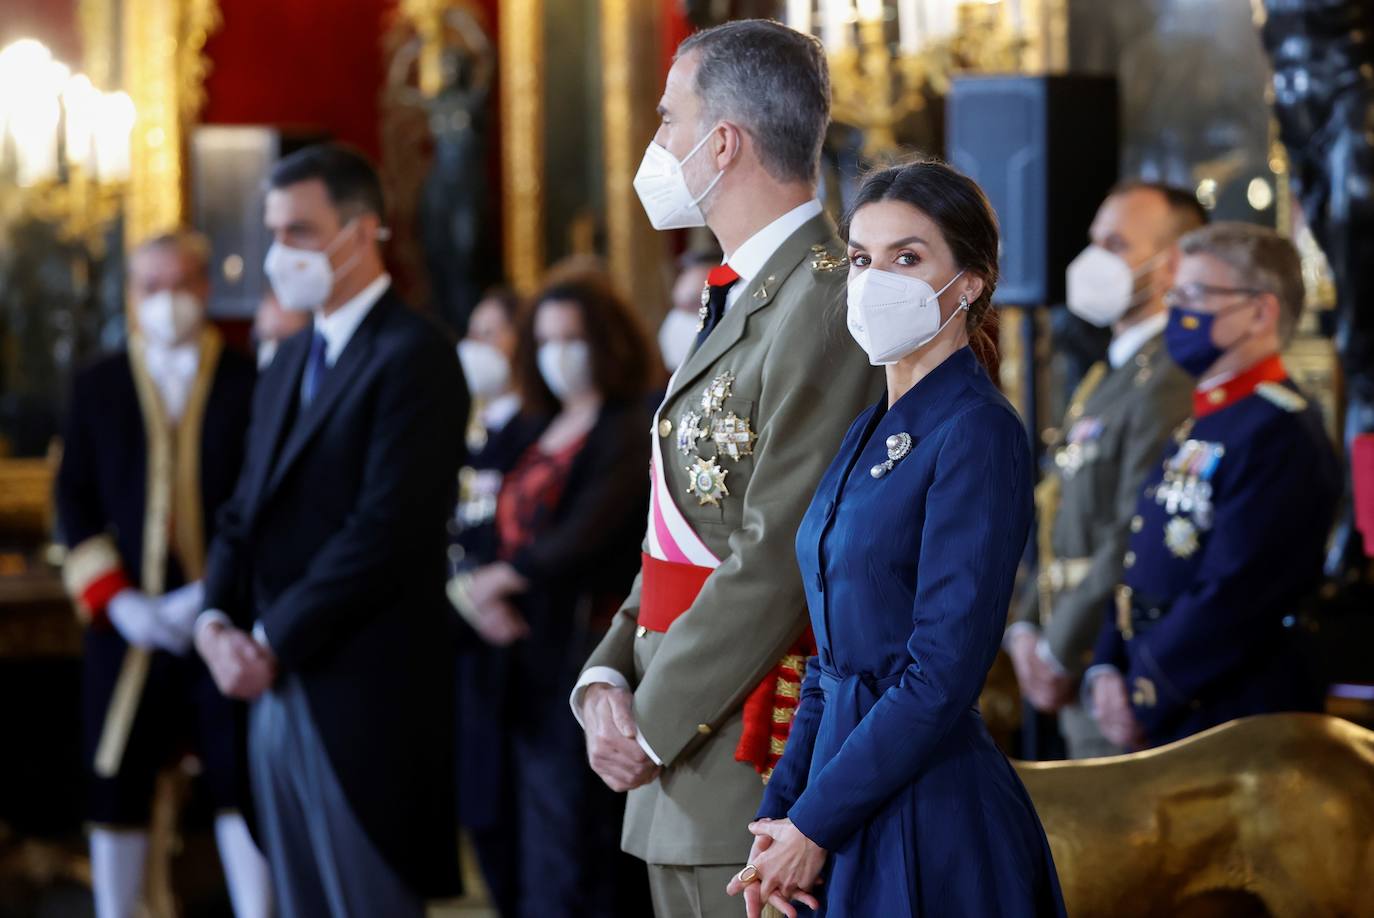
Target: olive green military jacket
pixel 1110 441
pixel 782 363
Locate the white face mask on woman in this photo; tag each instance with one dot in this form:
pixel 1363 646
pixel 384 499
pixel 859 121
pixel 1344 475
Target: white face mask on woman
pixel 566 367
pixel 891 315
pixel 302 279
pixel 676 336
pixel 662 188
pixel 485 368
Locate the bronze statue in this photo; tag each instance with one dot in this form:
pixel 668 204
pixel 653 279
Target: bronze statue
pixel 1267 815
pixel 453 206
pixel 1322 53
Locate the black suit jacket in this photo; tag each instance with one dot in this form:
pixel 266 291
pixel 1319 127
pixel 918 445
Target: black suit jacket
pixel 335 541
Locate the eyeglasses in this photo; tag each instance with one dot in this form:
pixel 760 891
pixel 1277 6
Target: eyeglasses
pixel 1186 295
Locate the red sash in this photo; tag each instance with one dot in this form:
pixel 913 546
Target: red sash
pixel 668 590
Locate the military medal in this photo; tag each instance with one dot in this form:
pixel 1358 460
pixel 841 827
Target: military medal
pixel 707 482
pixel 714 395
pixel 732 436
pixel 1180 537
pixel 689 431
pixel 703 312
pixel 898 446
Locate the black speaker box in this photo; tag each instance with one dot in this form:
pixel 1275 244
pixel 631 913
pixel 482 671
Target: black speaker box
pixel 229 169
pixel 1045 150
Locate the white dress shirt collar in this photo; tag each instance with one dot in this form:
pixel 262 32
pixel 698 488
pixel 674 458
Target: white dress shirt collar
pixel 338 327
pixel 1127 344
pixel 173 371
pixel 748 260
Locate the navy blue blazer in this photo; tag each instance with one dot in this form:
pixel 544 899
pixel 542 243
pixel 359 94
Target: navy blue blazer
pixel 908 577
pixel 1227 542
pixel 336 541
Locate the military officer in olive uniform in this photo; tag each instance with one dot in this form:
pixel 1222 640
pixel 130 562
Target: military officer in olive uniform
pixel 685 701
pixel 1231 526
pixel 1116 425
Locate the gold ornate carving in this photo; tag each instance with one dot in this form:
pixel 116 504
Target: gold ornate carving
pixel 164 70
pixel 522 139
pixel 629 96
pixel 1204 823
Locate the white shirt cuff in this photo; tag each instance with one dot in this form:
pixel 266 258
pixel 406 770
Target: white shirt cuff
pixel 1042 650
pixel 606 676
pixel 1015 629
pixel 1089 677
pixel 212 617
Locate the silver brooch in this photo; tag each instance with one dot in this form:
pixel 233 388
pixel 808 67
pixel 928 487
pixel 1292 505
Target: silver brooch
pixel 898 446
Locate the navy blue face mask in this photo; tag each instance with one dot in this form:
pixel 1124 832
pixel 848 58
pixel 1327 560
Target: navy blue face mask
pixel 1188 338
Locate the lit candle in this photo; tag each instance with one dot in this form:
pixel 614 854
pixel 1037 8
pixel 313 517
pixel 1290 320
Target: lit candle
pixel 908 35
pixel 799 15
pixel 940 18
pixel 834 23
pixel 79 101
pixel 114 124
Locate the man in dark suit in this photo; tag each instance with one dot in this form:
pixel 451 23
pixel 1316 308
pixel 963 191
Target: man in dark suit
pixel 325 588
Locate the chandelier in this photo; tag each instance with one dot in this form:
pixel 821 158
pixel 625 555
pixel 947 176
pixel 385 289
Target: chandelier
pixel 64 144
pixel 887 57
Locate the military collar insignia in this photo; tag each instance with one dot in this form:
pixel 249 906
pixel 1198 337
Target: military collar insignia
pixel 823 262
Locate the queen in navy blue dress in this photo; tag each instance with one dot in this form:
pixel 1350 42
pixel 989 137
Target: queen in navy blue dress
pixel 892 799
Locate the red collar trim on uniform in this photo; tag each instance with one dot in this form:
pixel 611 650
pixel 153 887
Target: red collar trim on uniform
pixel 1210 401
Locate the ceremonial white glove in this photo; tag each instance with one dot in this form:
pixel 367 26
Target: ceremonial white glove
pixel 178 611
pixel 135 616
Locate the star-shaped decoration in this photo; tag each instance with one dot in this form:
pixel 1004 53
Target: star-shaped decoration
pixel 707 482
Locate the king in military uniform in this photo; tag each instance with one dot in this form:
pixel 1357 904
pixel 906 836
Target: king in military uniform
pixel 1229 531
pixel 686 702
pixel 152 448
pixel 1117 423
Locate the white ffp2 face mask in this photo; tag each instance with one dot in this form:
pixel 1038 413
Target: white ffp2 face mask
pixel 485 368
pixel 566 367
pixel 169 317
pixel 662 188
pixel 891 315
pixel 1100 285
pixel 302 279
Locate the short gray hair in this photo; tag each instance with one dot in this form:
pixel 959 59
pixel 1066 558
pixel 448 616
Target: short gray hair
pixel 772 81
pixel 187 242
pixel 1264 260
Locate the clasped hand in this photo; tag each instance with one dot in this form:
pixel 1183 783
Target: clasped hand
pixel 613 748
pixel 788 866
pixel 240 666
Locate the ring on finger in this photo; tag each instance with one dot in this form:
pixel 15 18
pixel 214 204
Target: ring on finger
pixel 748 875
